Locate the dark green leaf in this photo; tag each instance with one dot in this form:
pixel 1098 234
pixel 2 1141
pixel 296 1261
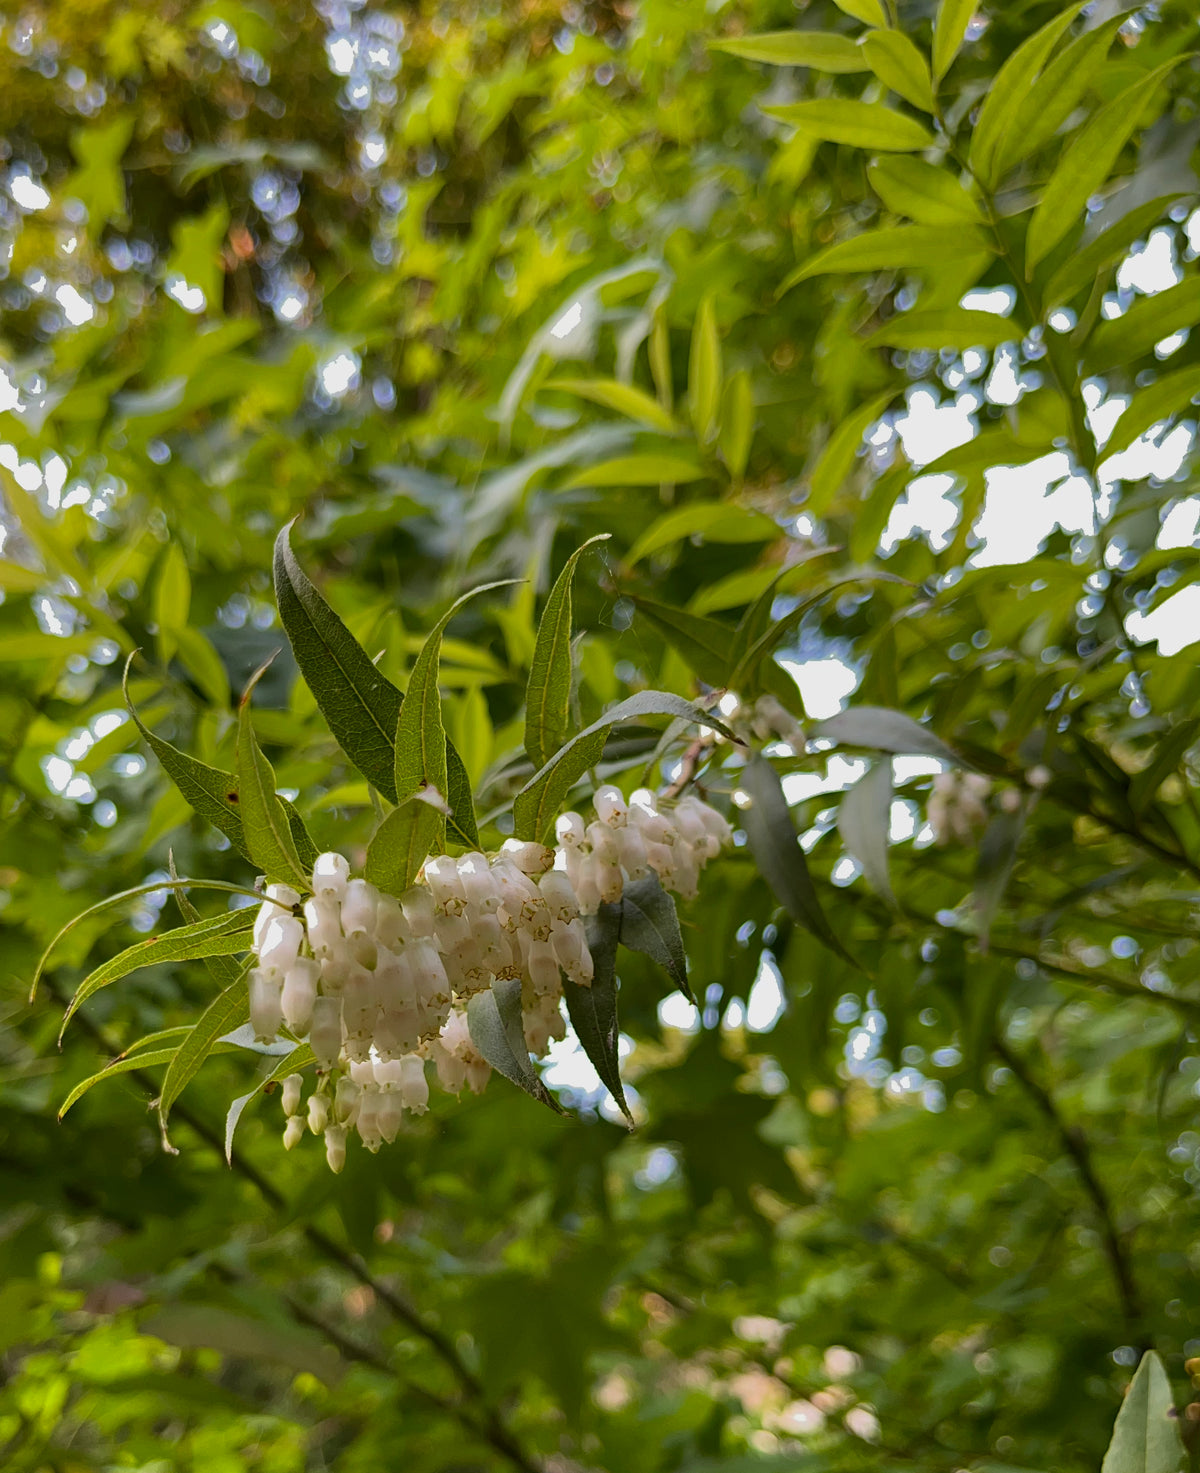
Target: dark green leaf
pixel 593 1009
pixel 225 1012
pixel 705 644
pixel 494 1020
pixel 841 452
pixel 400 845
pixel 1167 756
pixel 268 831
pixel 997 855
pixel 650 925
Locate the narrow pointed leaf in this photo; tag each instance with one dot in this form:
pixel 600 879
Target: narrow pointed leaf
pixel 893 247
pixel 119 1066
pixel 225 1012
pixel 886 731
pixel 869 11
pixel 222 935
pixel 1086 165
pixel 777 852
pixel 705 644
pixel 292 1062
pixel 649 469
pixel 268 831
pixel 923 192
pixel 650 925
pixel 737 422
pixel 494 1021
pixel 1079 270
pixel 624 399
pixel 858 124
pixel 841 451
pixel 824 51
pixel 400 845
pixel 864 821
pixel 1148 321
pixel 1171 394
pixel 539 801
pixel 593 1010
pixel 949 31
pixel 949 327
pixel 900 65
pixel 1146 1438
pixel 548 691
pixel 704 373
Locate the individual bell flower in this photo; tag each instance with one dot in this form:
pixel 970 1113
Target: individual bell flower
pixel 428 972
pixel 610 882
pixel 714 824
pixel 442 877
pixel 391 927
pixel 281 943
pixel 266 1014
pixel 450 931
pixel 330 874
pixel 280 899
pixel 631 851
pixel 335 1147
pixel 542 1024
pixel 571 949
pixel 603 842
pixel 366 1120
pixel 363 949
pixel 290 1093
pixel 559 895
pixel 569 830
pixel 479 884
pixel 660 858
pixel 610 806
pixel 299 994
pixel 530 858
pixel 390 1107
pixel 642 798
pixel 293 1132
pixel 360 906
pixel 654 827
pixel 325 1031
pixel 542 968
pixel 587 886
pixel 397 1032
pixel 323 923
pixel 336 967
pixel 345 1100
pixel 417 906
pixel 318 1113
pixel 521 899
pixel 413 1086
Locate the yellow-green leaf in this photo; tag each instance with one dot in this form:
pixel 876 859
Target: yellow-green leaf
pixel 859 124
pixel 824 51
pixel 925 193
pixel 900 65
pixel 624 399
pixel 704 373
pixel 949 29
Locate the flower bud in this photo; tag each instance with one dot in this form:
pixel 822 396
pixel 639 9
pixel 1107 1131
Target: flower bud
pixel 318 1113
pixel 293 1132
pixel 345 1100
pixel 330 874
pixel 569 830
pixel 265 1013
pixel 335 1148
pixel 299 993
pixel 367 1119
pixel 290 1093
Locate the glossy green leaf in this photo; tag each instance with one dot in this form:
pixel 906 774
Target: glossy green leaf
pixel 922 191
pixel 714 521
pixel 949 31
pixel 650 925
pixel 267 827
pixel 777 852
pixel 401 844
pixel 900 65
pixel 824 51
pixel 864 822
pixel 858 124
pixel 883 730
pixel 1171 394
pixel 841 451
pixel 225 1012
pixel 1122 340
pixel 593 1009
pixel 1086 165
pixel 548 691
pixel 894 247
pixel 1146 1438
pixel 952 327
pixel 869 11
pixel 704 373
pixel 623 399
pixel 494 1019
pixel 649 469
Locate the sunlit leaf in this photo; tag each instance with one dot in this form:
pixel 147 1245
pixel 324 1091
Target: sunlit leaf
pixel 922 191
pixel 824 51
pixel 624 399
pixel 949 30
pixel 900 65
pixel 650 469
pixel 704 373
pixel 859 124
pixel 715 521
pixel 267 827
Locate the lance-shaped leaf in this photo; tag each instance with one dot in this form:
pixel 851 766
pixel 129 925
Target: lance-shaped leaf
pixel 892 247
pixel 859 124
pixel 222 935
pixel 1079 270
pixel 705 644
pixel 225 1012
pixel 884 730
pixel 361 706
pixel 222 969
pixel 704 373
pixel 650 924
pixel 841 452
pixel 949 29
pixel 110 1071
pixel 212 793
pixel 624 399
pixel 948 327
pixel 777 852
pixel 593 1009
pixel 494 1021
pixel 292 1062
pixel 402 841
pixel 267 828
pixel 923 192
pixel 900 64
pixel 1170 395
pixel 422 753
pixel 824 51
pixel 1146 1438
pixel 864 822
pixel 1123 339
pixel 997 855
pixel 548 692
pixel 539 801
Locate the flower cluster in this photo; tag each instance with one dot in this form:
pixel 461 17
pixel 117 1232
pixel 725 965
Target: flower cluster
pixel 957 806
pixel 378 984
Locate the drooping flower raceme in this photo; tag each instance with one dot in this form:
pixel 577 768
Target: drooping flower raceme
pixel 378 985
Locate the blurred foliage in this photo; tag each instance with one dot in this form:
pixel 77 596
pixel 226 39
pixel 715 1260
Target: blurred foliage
pixel 395 272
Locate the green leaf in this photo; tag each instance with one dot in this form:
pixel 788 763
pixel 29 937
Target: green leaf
pixel 949 30
pixel 623 399
pixel 864 822
pixel 172 598
pixel 196 255
pixel 859 124
pixel 99 181
pixel 401 843
pixel 1123 340
pixel 1086 165
pixel 1146 1438
pixel 704 373
pixel 715 521
pixel 1055 95
pixel 948 327
pixel 997 856
pixel 224 1013
pixel 923 192
pixel 705 644
pixel 267 827
pixel 110 1071
pixel 199 657
pixel 871 12
pixel 901 66
pixel 244 1337
pixel 1167 756
pixel 883 730
pixel 777 852
pixel 212 793
pixel 649 469
pixel 360 705
pixel 893 247
pixel 1009 89
pixel 824 51
pixel 1080 269
pixel 737 422
pixel 548 691
pixel 291 1063
pixel 221 935
pixel 593 1009
pixel 650 925
pixel 1170 395
pixel 539 801
pixel 494 1021
pixel 840 453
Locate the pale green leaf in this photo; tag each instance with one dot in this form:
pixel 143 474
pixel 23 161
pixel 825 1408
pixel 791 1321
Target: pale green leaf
pixel 950 327
pixel 715 521
pixel 949 30
pixel 648 469
pixel 1146 1438
pixel 924 192
pixel 622 399
pixel 824 51
pixel 1171 394
pixel 1123 340
pixel 704 373
pixel 840 453
pixel 893 247
pixel 900 65
pixel 859 124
